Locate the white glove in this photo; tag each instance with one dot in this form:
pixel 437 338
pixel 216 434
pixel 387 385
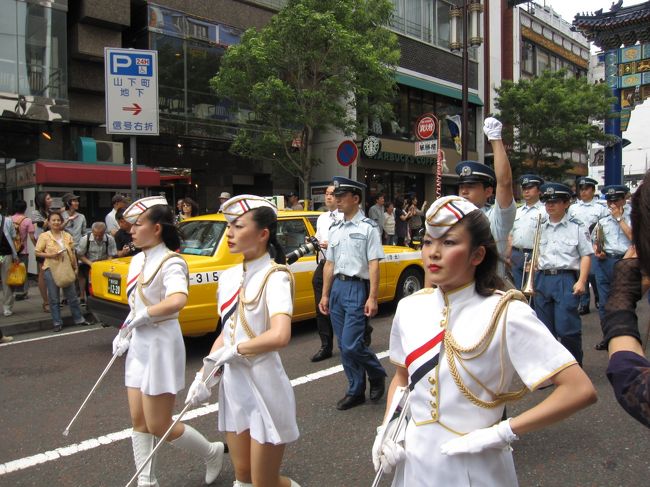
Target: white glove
pixel 385 452
pixel 229 354
pixel 138 319
pixel 492 128
pixel 198 392
pixel 121 343
pixel 210 364
pixel 498 436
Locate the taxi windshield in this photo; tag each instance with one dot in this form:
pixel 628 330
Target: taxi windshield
pixel 200 237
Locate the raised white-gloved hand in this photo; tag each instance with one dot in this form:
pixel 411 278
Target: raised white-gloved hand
pixel 121 343
pixel 385 452
pixel 140 318
pixel 198 391
pixel 498 436
pixel 492 128
pixel 230 354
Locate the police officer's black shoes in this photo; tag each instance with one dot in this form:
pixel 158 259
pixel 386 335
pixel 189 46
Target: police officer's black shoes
pixel 322 354
pixel 377 389
pixel 583 310
pixel 348 402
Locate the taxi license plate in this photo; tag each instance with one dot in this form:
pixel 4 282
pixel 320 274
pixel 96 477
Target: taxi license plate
pixel 114 286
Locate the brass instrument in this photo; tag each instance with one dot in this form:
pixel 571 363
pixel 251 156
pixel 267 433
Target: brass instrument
pixel 530 264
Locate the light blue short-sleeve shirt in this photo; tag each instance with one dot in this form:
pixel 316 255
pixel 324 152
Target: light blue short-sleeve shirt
pixel 525 224
pixel 563 244
pixel 615 239
pixel 352 245
pixel 501 221
pixel 588 213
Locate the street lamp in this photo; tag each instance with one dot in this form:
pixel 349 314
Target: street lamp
pixel 465 21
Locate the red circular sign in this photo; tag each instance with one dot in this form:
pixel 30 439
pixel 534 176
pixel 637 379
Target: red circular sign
pixel 425 127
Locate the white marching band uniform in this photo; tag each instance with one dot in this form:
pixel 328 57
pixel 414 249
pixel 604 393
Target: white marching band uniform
pixel 255 394
pixel 155 363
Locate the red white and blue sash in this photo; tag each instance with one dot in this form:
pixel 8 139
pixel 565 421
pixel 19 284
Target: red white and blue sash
pixel 424 359
pixel 229 307
pixel 130 286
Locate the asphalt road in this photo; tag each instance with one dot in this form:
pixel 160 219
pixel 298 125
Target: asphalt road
pixel 44 378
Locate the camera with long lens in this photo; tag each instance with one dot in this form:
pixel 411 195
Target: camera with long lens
pixel 310 246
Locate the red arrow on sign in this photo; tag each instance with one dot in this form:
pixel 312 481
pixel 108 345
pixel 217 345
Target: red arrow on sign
pixel 136 109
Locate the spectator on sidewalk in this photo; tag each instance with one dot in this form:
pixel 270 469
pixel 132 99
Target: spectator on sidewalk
pixel 9 256
pixel 96 245
pixel 123 238
pixel 40 215
pixel 119 202
pixel 189 208
pixel 25 229
pixel 223 197
pixel 389 225
pixel 376 213
pixel 293 201
pixel 401 221
pixel 73 222
pixel 52 246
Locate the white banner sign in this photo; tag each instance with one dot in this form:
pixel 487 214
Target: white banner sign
pixel 426 147
pixel 131 80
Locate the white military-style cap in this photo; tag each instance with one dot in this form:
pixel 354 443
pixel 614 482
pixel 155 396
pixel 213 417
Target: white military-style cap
pixel 138 207
pixel 238 205
pixel 445 212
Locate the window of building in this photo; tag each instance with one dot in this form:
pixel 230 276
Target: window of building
pixel 425 20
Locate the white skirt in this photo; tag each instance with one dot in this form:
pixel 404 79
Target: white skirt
pixel 425 466
pixel 155 362
pixel 258 398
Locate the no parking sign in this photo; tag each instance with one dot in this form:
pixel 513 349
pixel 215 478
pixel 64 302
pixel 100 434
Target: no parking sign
pixel 347 153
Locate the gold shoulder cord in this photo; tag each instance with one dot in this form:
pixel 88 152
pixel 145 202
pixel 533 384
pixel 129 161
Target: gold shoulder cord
pixel 141 283
pixel 455 353
pixel 241 306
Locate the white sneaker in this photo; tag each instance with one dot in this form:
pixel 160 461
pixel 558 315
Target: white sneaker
pixel 6 339
pixel 8 312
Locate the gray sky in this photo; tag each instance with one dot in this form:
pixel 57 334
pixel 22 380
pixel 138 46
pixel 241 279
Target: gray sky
pixel 569 8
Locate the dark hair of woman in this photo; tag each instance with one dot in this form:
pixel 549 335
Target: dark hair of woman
pixel 20 206
pixel 39 201
pixel 399 203
pixel 193 204
pixel 641 223
pixel 486 277
pixel 164 216
pixel 265 217
pixel 54 213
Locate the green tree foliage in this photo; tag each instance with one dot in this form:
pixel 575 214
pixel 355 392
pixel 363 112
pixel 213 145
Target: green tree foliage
pixel 548 116
pixel 318 64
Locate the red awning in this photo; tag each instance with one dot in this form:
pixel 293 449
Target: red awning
pixel 90 174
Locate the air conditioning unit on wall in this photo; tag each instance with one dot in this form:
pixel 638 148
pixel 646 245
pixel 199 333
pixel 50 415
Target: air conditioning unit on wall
pixel 110 151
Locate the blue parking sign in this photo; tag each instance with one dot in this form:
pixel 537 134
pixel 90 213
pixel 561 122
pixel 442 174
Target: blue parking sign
pixel 130 64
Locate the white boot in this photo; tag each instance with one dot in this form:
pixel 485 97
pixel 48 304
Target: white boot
pixel 294 483
pixel 212 453
pixel 237 483
pixel 143 444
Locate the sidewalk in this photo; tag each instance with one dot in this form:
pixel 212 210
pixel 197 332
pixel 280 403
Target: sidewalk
pixel 29 316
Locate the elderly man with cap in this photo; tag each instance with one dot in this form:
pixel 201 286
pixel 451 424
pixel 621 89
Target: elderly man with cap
pixel 73 222
pixel 614 237
pixel 477 184
pixel 522 236
pixel 350 285
pixel 563 269
pixel 293 201
pixel 223 197
pixel 588 210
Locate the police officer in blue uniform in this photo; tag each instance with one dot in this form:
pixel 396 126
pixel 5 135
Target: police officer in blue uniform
pixel 588 210
pixel 523 230
pixel 616 232
pixel 350 286
pixel 563 269
pixel 477 183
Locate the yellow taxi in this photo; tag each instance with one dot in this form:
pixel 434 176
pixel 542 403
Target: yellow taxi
pixel 205 250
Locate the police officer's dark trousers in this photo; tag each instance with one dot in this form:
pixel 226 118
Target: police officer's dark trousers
pixel 323 323
pixel 346 304
pixel 557 307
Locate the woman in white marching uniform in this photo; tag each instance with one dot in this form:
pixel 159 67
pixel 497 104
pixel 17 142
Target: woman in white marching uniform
pixel 155 365
pixel 257 408
pixel 460 362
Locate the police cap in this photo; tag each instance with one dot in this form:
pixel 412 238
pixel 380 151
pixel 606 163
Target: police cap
pixel 614 192
pixel 528 180
pixel 475 172
pixel 585 181
pixel 344 185
pixel 554 192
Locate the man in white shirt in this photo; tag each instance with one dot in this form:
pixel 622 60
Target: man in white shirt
pixel 118 202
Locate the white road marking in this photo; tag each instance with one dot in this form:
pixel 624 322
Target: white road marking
pixel 65 451
pixel 48 337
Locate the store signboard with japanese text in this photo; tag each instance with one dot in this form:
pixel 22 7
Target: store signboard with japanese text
pixel 131 80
